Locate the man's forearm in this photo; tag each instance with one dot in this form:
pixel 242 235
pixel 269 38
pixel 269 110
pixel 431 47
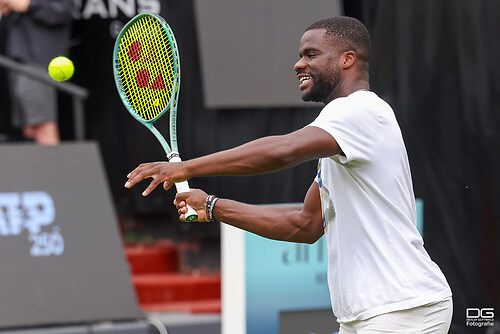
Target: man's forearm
pixel 260 156
pixel 278 223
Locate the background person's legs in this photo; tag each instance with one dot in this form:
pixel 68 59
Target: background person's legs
pixel 35 109
pixel 46 133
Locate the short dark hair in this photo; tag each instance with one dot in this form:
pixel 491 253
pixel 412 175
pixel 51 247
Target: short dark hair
pixel 348 34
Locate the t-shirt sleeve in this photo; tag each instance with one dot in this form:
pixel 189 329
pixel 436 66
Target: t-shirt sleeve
pixel 354 126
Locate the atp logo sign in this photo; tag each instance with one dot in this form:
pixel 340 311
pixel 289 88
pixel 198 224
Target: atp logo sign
pixel 31 211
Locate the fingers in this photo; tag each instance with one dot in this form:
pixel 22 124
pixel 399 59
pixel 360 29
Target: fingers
pixel 166 172
pixel 181 197
pixel 167 185
pixel 140 173
pixel 181 209
pixel 151 187
pixel 144 171
pixel 196 199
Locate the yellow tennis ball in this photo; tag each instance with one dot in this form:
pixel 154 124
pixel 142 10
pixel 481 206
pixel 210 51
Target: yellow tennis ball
pixel 61 68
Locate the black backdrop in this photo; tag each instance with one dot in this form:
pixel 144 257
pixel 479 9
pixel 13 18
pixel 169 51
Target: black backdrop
pixel 436 63
pixel 433 61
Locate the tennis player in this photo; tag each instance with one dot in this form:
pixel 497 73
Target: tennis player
pixel 381 279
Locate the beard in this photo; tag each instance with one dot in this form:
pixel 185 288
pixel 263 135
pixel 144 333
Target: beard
pixel 324 84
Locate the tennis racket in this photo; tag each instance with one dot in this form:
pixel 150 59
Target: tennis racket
pixel 146 67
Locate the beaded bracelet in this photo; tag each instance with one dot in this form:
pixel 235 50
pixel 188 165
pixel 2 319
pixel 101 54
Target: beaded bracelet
pixel 209 208
pixel 207 201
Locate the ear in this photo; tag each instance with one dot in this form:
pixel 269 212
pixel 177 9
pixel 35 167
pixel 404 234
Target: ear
pixel 348 59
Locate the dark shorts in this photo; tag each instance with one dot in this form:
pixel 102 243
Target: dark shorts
pixel 33 102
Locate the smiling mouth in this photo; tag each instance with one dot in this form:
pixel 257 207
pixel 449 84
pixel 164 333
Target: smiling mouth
pixel 304 79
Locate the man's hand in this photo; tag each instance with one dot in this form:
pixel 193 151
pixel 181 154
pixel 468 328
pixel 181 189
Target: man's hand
pixel 196 198
pixel 167 172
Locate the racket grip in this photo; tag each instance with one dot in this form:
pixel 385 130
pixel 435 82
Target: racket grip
pixel 183 187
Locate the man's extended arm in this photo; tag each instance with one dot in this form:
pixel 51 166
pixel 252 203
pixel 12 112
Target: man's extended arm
pixel 260 156
pixel 298 224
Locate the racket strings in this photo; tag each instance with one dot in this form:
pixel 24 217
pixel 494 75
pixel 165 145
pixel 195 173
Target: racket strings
pixel 147 67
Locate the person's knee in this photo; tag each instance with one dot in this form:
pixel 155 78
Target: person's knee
pixel 47 134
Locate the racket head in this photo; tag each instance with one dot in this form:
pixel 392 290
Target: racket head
pixel 146 67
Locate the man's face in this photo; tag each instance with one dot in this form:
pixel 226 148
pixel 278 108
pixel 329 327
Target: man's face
pixel 317 69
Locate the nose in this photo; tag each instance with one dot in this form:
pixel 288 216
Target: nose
pixel 300 64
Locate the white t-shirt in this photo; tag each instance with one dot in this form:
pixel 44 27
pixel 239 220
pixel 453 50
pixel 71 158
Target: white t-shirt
pixel 376 259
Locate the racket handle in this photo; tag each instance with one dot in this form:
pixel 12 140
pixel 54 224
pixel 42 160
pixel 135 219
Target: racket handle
pixel 183 187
